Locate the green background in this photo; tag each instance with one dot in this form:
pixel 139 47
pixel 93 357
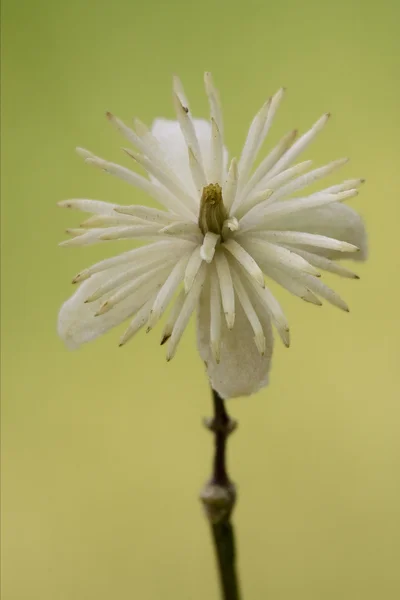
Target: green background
pixel 103 449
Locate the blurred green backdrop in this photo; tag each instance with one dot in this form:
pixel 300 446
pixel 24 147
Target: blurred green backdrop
pixel 103 451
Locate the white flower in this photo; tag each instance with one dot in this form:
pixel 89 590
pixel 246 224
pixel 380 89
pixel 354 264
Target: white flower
pixel 222 227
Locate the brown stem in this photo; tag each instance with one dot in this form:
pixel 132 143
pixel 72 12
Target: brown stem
pixel 218 497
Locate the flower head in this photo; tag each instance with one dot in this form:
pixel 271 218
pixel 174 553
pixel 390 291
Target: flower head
pixel 222 227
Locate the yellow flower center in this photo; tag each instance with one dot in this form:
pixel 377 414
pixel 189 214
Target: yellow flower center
pixel 213 213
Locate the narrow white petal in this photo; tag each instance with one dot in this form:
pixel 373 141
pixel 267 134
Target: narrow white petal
pixel 268 162
pixel 167 291
pixel 130 232
pixel 180 92
pixel 292 284
pixel 217 147
pixel 230 187
pixel 321 262
pixel 144 255
pixel 275 182
pixel 101 221
pixel 187 127
pixel 278 256
pixel 137 322
pixel 322 290
pixel 213 99
pixel 253 200
pixel 349 184
pixel 261 215
pixel 152 215
pixel 128 133
pixel 215 315
pixel 198 175
pixel 77 323
pixel 207 250
pixel 162 195
pixel 147 145
pixel 249 311
pixel 252 143
pixel 87 238
pixel 192 268
pixel 148 281
pixel 184 203
pixel 274 309
pixel 308 239
pixel 84 153
pixel 300 145
pixel 130 274
pixel 334 220
pixel 172 317
pixel 180 228
pixel 231 224
pixel 141 128
pixel 308 178
pixel 226 287
pixel 188 307
pixel 273 107
pixel 96 207
pixel 245 259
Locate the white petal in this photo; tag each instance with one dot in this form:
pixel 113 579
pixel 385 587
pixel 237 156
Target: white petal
pixel 97 207
pixel 252 200
pixel 147 254
pixel 152 215
pixel 245 259
pixel 300 238
pixel 197 171
pixel 192 268
pixel 230 186
pixel 214 101
pixel 76 321
pixel 217 148
pixel 250 312
pixel 307 179
pixel 172 317
pixel 130 232
pixel 277 256
pixel 336 220
pixel 151 148
pixel 207 250
pixel 265 214
pixel 319 288
pixel 187 309
pixel 215 315
pixel 226 287
pixel 279 180
pixel 137 322
pixel 292 285
pixel 270 303
pixel 148 281
pixel 111 220
pixel 185 203
pixel 326 264
pixel 115 281
pixel 167 291
pixel 242 370
pixel 300 145
pixel 252 143
pixel 171 140
pixel 161 194
pixel 183 228
pixel 268 162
